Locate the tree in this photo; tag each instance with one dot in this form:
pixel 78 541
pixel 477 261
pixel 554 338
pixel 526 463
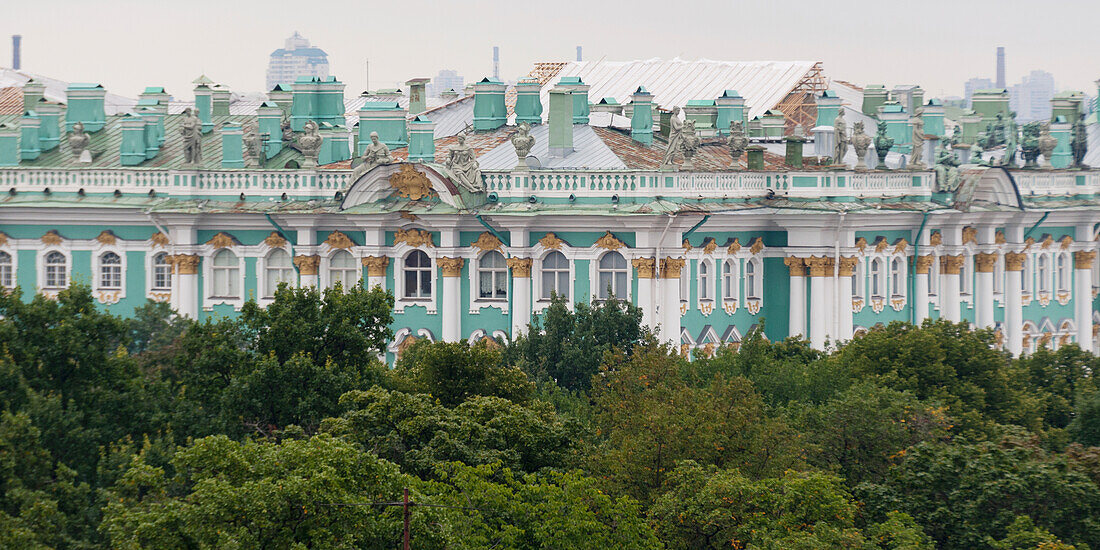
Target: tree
pixel 1085 428
pixel 455 371
pixel 154 325
pixel 568 346
pixel 1024 535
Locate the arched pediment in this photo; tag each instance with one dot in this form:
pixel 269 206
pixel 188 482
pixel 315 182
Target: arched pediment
pixel 991 186
pixel 404 180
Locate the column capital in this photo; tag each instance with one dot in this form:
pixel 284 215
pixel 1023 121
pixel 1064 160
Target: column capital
pixel 452 267
pixel 670 267
pixel 848 265
pixel 796 265
pixel 646 267
pixel 307 265
pixel 985 262
pixel 376 265
pixel 1083 259
pixel 521 267
pixel 1014 261
pixel 924 264
pixel 818 265
pixel 186 264
pixel 950 265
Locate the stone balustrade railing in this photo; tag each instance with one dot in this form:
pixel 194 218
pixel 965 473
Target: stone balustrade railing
pixel 176 183
pixel 1057 183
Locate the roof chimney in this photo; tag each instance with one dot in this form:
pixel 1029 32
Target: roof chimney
pixel 528 102
pixel 85 104
pixel 418 101
pixel 385 117
pixel 219 101
pixel 232 145
pixel 9 145
pixel 131 149
pixel 641 117
pixel 204 104
pixel 561 121
pixel 33 92
pixel 16 53
pixel 490 112
pixel 29 147
pixel 421 140
pixel 580 97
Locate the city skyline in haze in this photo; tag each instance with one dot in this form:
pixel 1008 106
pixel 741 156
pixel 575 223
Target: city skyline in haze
pixel 128 45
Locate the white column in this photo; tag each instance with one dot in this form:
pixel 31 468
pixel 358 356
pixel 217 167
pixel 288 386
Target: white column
pixel 645 270
pixel 845 326
pixel 1014 309
pixel 307 270
pixel 670 300
pixel 521 295
pixel 950 308
pixel 1082 297
pixel 187 265
pixel 452 299
pixel 983 307
pixel 920 287
pixel 797 323
pixel 376 270
pixel 830 300
pixel 818 314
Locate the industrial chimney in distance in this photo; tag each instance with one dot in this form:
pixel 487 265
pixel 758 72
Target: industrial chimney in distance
pixel 16 55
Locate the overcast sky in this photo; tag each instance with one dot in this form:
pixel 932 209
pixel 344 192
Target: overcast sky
pixel 127 45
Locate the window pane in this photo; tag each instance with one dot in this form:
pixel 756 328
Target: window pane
pixel 620 285
pixel 563 284
pixel 410 283
pixel 604 282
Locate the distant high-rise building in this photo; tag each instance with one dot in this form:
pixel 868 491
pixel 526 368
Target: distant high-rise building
pixel 447 79
pixel 296 58
pixel 1031 97
pixel 1001 83
pixel 973 85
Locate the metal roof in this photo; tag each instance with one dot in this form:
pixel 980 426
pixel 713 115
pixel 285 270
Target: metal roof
pixel 55 90
pixel 589 151
pixel 674 82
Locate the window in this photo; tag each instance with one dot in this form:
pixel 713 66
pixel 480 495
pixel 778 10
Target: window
pixel 999 275
pixel 611 276
pixel 492 276
pixel 7 278
pixel 897 277
pixel 1026 276
pixel 56 276
pixel 418 276
pixel 729 280
pixel 226 272
pixel 277 269
pixel 685 281
pixel 1062 269
pixel 555 276
pixel 162 272
pixel 877 280
pixel 1044 273
pixel 752 279
pixel 110 271
pixel 966 282
pixel 704 281
pixel 342 269
pixel 857 280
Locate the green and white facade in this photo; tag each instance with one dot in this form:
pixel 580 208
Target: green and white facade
pixel 708 253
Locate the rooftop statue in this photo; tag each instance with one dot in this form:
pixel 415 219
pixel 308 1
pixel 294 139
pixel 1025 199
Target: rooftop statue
pixel 883 144
pixel 191 130
pixel 976 152
pixel 996 136
pixel 840 138
pixel 1031 145
pixel 462 162
pixel 689 144
pixel 1012 139
pixel 860 142
pixel 523 142
pixel 956 135
pixel 737 143
pixel 916 160
pixel 1080 142
pixel 675 135
pixel 1047 143
pixel 947 169
pixel 78 140
pixel 376 154
pixel 309 143
pixel 252 144
pixel 288 132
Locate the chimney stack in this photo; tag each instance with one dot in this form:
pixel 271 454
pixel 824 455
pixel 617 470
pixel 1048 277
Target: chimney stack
pixel 1000 66
pixel 16 54
pixel 418 99
pixel 561 121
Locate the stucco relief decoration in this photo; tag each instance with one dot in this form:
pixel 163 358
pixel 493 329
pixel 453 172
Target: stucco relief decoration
pixel 222 240
pixel 521 267
pixel 307 265
pixel 486 242
pixel 1028 243
pixel 109 297
pixel 998 338
pixel 878 304
pixel 451 267
pixel 753 306
pixel 857 305
pixel 935 239
pixel 609 242
pixel 106 238
pixel 735 246
pixel 52 238
pixel 710 245
pixel 861 245
pixel 376 265
pixel 881 244
pixel 1044 299
pixel 686 246
pixel 413 237
pixel 187 264
pixel 683 308
pixel 3 239
pixel 552 242
pixel 900 245
pixel 706 308
pixel 999 237
pixel 405 344
pixel 646 267
pixel 337 239
pixel 985 263
pixel 1044 340
pixel 159 239
pixel 1063 340
pixel 671 267
pixel 275 240
pixel 729 306
pixel 1047 242
pixel 1066 241
pixel 757 245
pixel 406 215
pixel 411 184
pixel 1062 298
pixel 897 303
pixel 796 266
pixel 970 235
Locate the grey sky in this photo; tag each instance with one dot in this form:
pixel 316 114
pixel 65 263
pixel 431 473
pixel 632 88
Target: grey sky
pixel 127 45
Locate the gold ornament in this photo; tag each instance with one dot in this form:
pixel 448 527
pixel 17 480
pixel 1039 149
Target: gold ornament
pixel 900 246
pixel 222 240
pixel 999 237
pixel 521 267
pixel 275 240
pixel 376 265
pixel 710 245
pixel 951 265
pixel 411 184
pixel 646 267
pixel 735 246
pixel 970 235
pixel 1083 259
pixel 1066 241
pixel 756 245
pixel 486 242
pixel 985 263
pixel 52 238
pixel 861 244
pixel 818 266
pixel 337 239
pixel 1014 261
pixel 936 238
pixel 452 267
pixel 552 241
pixel 413 237
pixel 187 264
pixel 159 239
pixel 796 265
pixel 847 266
pixel 106 238
pixel 670 267
pixel 924 263
pixel 307 265
pixel 609 242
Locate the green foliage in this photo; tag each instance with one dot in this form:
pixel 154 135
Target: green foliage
pixel 1055 380
pixel 783 372
pixel 153 326
pixel 1085 428
pixel 1023 534
pixel 568 346
pixel 455 371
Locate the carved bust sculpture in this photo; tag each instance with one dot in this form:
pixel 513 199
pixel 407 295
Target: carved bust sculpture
pixel 191 130
pixel 737 143
pixel 1079 144
pixel 523 142
pixel 309 143
pixel 78 140
pixel 840 138
pixel 1047 143
pixel 462 162
pixel 376 154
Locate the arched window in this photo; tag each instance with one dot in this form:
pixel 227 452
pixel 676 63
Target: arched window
pixel 966 282
pixel 877 278
pixel 56 272
pixel 752 279
pixel 162 272
pixel 1044 273
pixel 729 280
pixel 7 277
pixel 110 271
pixel 418 275
pixel 897 277
pixel 555 276
pixel 705 281
pixel 277 269
pixel 342 269
pixel 1026 276
pixel 227 272
pixel 1062 270
pixel 611 276
pixel 492 276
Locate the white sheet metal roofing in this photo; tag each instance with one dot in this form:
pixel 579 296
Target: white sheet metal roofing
pixel 589 152
pixel 55 90
pixel 673 82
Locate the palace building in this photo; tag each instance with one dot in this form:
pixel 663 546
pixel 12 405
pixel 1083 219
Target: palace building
pixel 719 197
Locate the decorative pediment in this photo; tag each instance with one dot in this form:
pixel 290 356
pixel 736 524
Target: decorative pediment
pixel 159 239
pixel 486 242
pixel 222 240
pixel 552 241
pixel 609 242
pixel 105 237
pixel 410 183
pixel 1029 242
pixel 1047 242
pixel 735 246
pixel 52 238
pixel 337 239
pixel 275 240
pixel 413 237
pixel 757 245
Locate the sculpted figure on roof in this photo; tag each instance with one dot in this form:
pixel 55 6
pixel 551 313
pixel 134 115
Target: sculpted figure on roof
pixel 523 142
pixel 78 140
pixel 883 144
pixel 309 143
pixel 737 143
pixel 1080 142
pixel 916 161
pixel 860 142
pixel 689 144
pixel 675 136
pixel 1047 143
pixel 462 162
pixel 252 144
pixel 947 169
pixel 840 138
pixel 376 154
pixel 191 130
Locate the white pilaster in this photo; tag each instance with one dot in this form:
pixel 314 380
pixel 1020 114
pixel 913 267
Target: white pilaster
pixel 920 287
pixel 1014 310
pixel 187 266
pixel 819 314
pixel 452 300
pixel 670 300
pixel 797 321
pixel 983 307
pixel 1082 297
pixel 845 326
pixel 950 308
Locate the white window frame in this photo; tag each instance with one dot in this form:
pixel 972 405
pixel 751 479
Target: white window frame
pixel 429 303
pixel 999 276
pixel 878 278
pixel 1063 272
pixel 12 264
pixel 267 294
pixel 100 282
pixel 42 255
pixel 1027 275
pixel 685 281
pixel 859 280
pixel 539 273
pixel 706 276
pixel 900 287
pixel 211 299
pixel 754 284
pixel 731 279
pixel 1044 272
pixel 596 271
pixel 476 300
pixel 327 271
